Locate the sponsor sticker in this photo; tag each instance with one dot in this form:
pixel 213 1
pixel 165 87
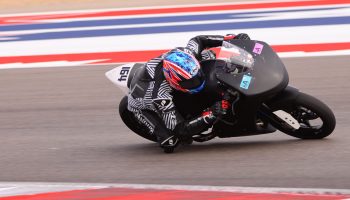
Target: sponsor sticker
pixel 246 82
pixel 258 48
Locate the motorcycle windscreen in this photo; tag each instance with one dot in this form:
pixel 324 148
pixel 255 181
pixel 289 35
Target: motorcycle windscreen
pixel 235 56
pixel 260 71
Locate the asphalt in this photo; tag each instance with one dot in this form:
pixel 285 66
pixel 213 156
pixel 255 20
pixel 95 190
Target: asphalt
pixel 61 125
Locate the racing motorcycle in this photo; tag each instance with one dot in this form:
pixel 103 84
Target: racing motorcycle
pixel 257 82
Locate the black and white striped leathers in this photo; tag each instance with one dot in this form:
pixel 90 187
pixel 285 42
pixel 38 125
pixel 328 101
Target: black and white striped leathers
pixel 156 95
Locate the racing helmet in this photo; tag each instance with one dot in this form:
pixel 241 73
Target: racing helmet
pixel 183 72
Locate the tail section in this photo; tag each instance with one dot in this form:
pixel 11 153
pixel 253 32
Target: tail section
pixel 120 76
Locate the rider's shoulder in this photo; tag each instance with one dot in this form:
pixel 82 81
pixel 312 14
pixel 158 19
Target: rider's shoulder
pixel 184 49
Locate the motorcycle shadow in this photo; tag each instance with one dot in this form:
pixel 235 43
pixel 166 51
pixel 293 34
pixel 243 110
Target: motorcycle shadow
pixel 220 146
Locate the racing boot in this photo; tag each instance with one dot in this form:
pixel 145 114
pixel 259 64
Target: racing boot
pixel 167 141
pixel 170 144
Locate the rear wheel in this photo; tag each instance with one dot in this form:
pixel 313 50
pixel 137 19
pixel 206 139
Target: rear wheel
pixel 132 123
pixel 316 119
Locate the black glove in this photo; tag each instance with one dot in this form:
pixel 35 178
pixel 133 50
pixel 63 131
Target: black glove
pixel 201 123
pixel 208 55
pixel 195 125
pixel 242 36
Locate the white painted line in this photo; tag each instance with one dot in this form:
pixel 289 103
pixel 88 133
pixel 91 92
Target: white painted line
pixel 142 8
pixel 257 17
pixel 177 14
pixel 40 187
pixel 54 64
pixel 8 38
pixel 7 188
pixel 14 189
pixel 273 36
pixel 122 43
pixel 47 64
pixel 314 54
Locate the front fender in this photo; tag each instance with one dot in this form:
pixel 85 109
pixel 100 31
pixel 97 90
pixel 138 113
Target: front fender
pixel 285 99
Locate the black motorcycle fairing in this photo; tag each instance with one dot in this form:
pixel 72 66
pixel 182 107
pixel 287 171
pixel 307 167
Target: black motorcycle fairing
pixel 283 99
pixel 267 77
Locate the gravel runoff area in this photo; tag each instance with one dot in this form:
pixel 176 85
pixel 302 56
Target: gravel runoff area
pixel 24 6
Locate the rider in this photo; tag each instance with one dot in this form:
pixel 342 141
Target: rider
pixel 150 96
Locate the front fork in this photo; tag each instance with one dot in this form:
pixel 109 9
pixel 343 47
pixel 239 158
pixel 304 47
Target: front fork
pixel 232 97
pixel 275 113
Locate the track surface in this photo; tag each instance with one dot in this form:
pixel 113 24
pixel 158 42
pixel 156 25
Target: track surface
pixel 61 125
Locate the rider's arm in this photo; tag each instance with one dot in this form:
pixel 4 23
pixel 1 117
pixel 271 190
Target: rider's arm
pixel 201 123
pixel 163 101
pixel 176 123
pixel 202 42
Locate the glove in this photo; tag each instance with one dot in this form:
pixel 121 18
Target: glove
pixel 196 125
pixel 229 37
pixel 242 36
pixel 201 123
pixel 220 108
pixel 208 55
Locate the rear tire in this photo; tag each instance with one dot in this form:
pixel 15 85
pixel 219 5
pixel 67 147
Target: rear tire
pixel 307 109
pixel 132 123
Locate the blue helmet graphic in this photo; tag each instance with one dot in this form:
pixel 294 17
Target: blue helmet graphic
pixel 183 72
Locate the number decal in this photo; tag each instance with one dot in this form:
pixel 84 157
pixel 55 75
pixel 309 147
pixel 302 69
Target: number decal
pixel 246 82
pixel 123 74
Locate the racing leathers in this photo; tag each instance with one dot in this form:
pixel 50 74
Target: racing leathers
pixel 150 97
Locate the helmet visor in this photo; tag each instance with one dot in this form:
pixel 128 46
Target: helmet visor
pixel 193 82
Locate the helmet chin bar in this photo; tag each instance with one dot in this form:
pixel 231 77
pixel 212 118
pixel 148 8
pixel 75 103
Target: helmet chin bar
pixel 200 88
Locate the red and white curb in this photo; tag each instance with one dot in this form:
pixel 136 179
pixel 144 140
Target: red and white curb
pixel 88 37
pixel 85 191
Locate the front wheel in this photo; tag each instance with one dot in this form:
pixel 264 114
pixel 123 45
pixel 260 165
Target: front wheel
pixel 316 119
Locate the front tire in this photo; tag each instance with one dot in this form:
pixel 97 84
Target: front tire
pixel 316 118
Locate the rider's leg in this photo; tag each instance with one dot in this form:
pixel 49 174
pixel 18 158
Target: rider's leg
pixel 157 127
